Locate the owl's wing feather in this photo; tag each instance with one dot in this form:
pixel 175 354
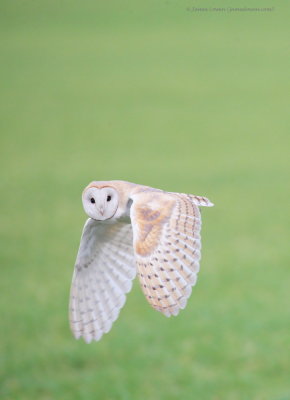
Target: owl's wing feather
pixel 166 237
pixel 199 200
pixel 103 274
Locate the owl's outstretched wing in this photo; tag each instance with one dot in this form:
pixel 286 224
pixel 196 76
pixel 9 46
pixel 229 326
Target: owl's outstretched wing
pixel 166 237
pixel 103 274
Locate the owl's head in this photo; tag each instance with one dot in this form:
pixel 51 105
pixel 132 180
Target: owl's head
pixel 100 202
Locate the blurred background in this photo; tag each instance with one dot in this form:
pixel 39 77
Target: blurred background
pixel 160 94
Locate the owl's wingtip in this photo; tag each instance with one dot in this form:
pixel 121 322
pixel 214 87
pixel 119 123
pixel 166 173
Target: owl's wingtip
pixel 201 201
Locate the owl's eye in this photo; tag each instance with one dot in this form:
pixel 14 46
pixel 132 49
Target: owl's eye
pixel 109 198
pixel 93 200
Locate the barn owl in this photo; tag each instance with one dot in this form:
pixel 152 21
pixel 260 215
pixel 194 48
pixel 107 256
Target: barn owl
pixel 133 229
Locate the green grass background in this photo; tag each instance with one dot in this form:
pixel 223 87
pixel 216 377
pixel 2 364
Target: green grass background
pixel 149 92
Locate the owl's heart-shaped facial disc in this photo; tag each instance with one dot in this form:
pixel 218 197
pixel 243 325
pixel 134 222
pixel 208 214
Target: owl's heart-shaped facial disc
pixel 100 203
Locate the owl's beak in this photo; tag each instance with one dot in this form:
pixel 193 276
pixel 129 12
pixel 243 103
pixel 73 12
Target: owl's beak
pixel 101 209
